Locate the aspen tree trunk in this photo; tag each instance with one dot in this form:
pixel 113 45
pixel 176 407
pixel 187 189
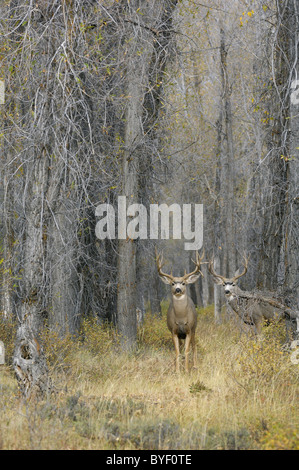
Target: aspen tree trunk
pixel 145 55
pixel 227 164
pixel 29 361
pixel 218 245
pixel 8 241
pixel 291 232
pixel 65 298
pixel 224 242
pixel 136 80
pixel 273 262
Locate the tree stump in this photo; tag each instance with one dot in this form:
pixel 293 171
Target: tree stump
pixel 30 364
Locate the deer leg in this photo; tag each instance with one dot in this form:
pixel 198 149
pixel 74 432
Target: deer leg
pixel 187 350
pixel 193 343
pixel 176 343
pixel 258 326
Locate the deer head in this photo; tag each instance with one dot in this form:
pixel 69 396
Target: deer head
pixel 178 284
pixel 228 283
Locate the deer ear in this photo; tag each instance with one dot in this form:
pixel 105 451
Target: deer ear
pixel 218 281
pixel 193 278
pixel 165 280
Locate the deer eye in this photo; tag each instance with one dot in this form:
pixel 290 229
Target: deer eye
pixel 183 283
pixel 173 283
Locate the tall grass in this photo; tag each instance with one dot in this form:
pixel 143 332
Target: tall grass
pixel 243 395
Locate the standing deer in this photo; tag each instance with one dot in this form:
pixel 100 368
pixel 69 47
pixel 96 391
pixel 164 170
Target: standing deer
pixel 181 315
pixel 252 308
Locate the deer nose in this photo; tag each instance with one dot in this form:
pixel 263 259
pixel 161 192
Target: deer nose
pixel 227 291
pixel 178 290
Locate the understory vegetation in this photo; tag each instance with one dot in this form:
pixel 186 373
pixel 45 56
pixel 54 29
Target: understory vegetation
pixel 243 395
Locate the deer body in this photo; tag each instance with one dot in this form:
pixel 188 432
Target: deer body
pixel 181 322
pixel 252 308
pixel 253 311
pixel 181 315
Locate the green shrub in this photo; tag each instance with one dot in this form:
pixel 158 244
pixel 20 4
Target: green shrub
pixel 280 436
pixel 97 338
pixel 263 358
pixel 59 349
pixel 154 331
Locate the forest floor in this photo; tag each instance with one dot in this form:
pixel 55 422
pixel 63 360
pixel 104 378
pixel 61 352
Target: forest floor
pixel 243 395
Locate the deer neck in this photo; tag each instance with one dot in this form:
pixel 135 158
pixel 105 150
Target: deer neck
pixel 180 304
pixel 233 301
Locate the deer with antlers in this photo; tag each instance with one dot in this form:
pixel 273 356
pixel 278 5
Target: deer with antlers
pixel 252 308
pixel 181 315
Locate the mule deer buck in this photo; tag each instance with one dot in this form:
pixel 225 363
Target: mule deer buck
pixel 252 308
pixel 181 315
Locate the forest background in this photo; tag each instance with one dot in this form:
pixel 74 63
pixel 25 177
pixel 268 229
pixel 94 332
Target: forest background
pixel 163 101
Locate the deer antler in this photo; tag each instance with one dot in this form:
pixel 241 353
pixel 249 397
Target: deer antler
pixel 159 259
pixel 211 270
pixel 226 279
pixel 197 266
pixel 245 264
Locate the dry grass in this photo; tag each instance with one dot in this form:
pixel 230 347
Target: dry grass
pixel 244 394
